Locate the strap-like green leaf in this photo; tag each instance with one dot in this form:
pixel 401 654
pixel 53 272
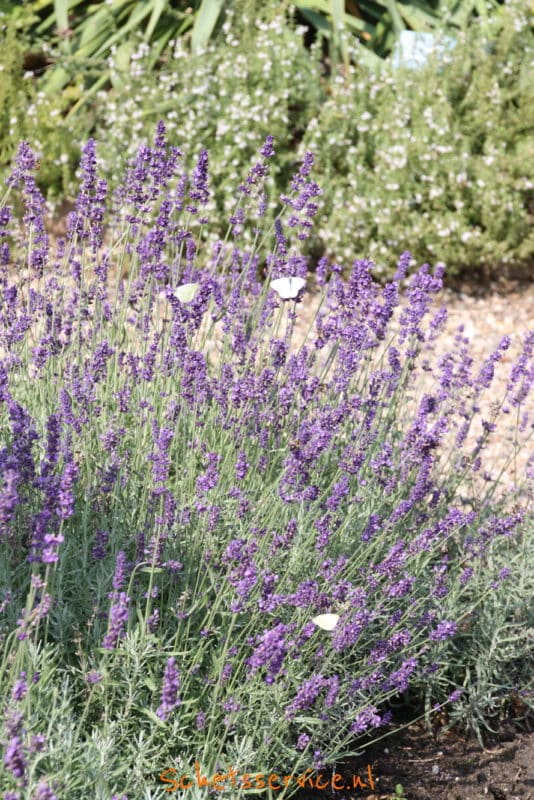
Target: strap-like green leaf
pixel 56 79
pixel 337 12
pixel 418 19
pixel 87 95
pixel 357 24
pixel 395 16
pixel 121 61
pixel 139 14
pixel 317 5
pixel 205 21
pixel 462 14
pixel 157 47
pixel 159 7
pixel 61 10
pixel 50 21
pixel 319 22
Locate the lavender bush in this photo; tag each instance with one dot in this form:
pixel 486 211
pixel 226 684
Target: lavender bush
pixel 196 474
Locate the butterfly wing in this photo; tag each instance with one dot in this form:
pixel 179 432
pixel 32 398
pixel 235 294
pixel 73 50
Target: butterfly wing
pixel 297 284
pixel 186 292
pixel 326 621
pixel 288 288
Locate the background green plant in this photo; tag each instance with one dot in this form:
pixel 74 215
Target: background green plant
pixel 28 113
pixel 84 34
pixel 437 160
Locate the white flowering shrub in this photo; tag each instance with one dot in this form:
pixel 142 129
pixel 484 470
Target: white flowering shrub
pixel 438 159
pixel 435 160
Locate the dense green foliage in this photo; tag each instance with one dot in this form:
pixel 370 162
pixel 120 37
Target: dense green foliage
pixel 438 159
pixel 28 113
pixel 83 35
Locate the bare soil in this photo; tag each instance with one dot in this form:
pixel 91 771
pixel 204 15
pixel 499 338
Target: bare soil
pixel 438 766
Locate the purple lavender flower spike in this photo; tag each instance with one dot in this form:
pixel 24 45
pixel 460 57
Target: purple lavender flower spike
pixel 242 465
pixel 87 220
pixel 200 191
pixel 402 266
pixel 303 204
pixel 521 380
pixel 270 652
pixel 455 696
pixel 444 630
pixel 9 500
pixel 15 760
pixel 98 551
pixel 118 617
pixel 306 696
pixel 398 680
pixel 66 490
pixel 14 724
pixel 422 286
pixel 161 457
pixel 163 159
pixel 43 792
pixel 20 688
pixel 373 526
pixel 267 149
pixel 26 164
pixel 368 718
pixel 5 217
pixel 119 576
pixel 169 692
pixel 210 477
pixel 260 169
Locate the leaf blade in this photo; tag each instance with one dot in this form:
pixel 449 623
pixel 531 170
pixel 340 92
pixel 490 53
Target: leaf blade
pixel 205 21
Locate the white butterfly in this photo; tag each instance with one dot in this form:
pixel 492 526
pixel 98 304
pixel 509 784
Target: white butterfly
pixel 187 292
pixel 288 288
pixel 326 621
